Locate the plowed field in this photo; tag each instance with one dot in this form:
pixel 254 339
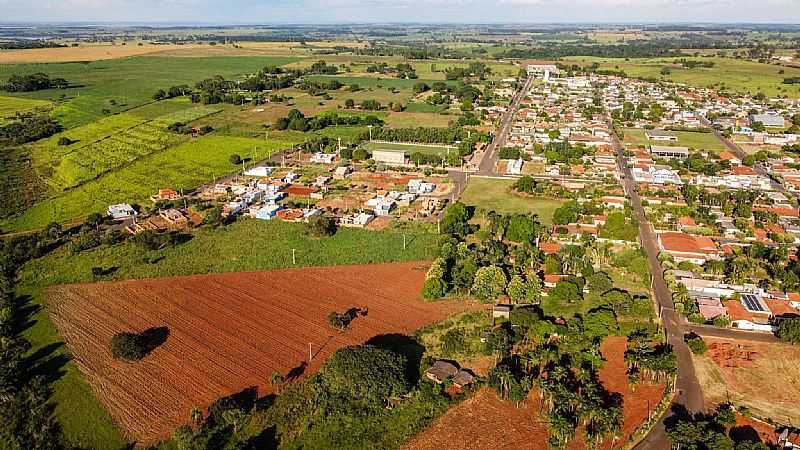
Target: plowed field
pixel 228 332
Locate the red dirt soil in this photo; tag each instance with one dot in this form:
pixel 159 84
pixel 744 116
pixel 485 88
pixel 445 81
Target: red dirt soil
pixel 228 332
pixel 614 377
pixel 485 422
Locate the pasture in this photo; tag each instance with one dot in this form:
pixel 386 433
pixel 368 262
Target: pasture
pixel 185 166
pixel 111 86
pixel 487 194
pixel 737 75
pixel 419 119
pixel 9 106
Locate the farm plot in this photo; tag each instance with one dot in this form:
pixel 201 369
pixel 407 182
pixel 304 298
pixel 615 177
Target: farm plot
pixel 228 332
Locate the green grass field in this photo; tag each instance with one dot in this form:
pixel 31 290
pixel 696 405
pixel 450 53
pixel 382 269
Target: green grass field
pixel 413 120
pixel 738 75
pixel 243 246
pixel 129 82
pixel 697 141
pixel 349 134
pixel 183 167
pixel 408 148
pixel 487 194
pixel 12 105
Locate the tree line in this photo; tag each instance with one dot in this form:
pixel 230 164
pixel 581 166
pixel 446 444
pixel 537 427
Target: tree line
pixel 33 82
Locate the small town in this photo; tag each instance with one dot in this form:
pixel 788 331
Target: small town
pixel 400 235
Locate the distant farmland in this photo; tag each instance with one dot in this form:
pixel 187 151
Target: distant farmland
pixel 228 332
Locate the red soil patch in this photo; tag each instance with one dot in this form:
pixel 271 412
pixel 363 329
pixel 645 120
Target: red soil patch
pixel 731 355
pixel 744 429
pixel 486 422
pixel 614 376
pixel 227 332
pixel 290 215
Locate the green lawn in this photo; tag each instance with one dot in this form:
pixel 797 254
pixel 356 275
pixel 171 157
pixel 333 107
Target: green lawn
pixel 12 105
pixel 242 246
pixel 738 75
pixel 697 141
pixel 495 195
pixel 413 120
pixel 128 82
pixel 183 167
pixel 349 134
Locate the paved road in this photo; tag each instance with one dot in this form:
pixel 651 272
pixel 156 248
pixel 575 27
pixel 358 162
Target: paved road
pixel 688 391
pixel 732 333
pixel 488 165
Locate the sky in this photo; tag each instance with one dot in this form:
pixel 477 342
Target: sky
pixel 368 11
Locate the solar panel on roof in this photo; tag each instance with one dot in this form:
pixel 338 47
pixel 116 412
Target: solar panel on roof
pixel 751 303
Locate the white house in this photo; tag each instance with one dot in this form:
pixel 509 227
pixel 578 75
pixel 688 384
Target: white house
pixel 122 211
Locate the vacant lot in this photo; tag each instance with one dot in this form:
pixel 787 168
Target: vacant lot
pixel 485 422
pixel 763 377
pixel 228 332
pixel 419 119
pixel 496 195
pixel 409 148
pixel 697 141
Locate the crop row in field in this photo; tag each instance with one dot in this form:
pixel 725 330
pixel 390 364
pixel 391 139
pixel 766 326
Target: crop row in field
pixel 188 115
pixel 185 166
pixel 88 162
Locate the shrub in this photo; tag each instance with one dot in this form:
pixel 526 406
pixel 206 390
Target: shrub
pixel 64 141
pixel 434 288
pixel 697 345
pixel 320 226
pixel 235 159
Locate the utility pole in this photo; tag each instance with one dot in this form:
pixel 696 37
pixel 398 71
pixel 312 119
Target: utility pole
pixel 404 242
pixel 294 259
pixel 310 356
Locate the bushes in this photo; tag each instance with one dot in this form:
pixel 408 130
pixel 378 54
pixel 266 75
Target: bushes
pixel 320 226
pixel 789 330
pixel 135 346
pixel 697 345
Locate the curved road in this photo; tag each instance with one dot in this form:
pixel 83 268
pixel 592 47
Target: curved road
pixel 688 392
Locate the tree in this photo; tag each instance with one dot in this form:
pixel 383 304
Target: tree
pixel 489 283
pixel 455 220
pixel 789 330
pixel 600 322
pixel 349 103
pixel 276 379
pixel 63 140
pixel 235 159
pixel 434 288
pixel 128 346
pixel 320 226
pixel 565 292
pixel 599 282
pixel 366 374
pixel 566 213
